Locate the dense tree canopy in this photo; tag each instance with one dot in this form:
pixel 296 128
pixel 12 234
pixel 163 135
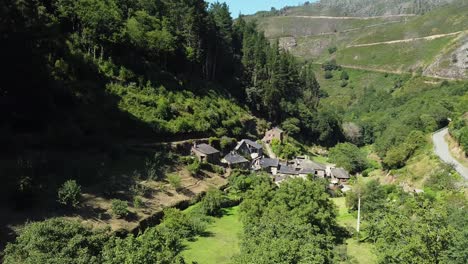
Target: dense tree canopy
pixel 294 224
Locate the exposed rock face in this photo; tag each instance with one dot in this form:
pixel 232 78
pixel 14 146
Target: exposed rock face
pixel 382 7
pixel 452 64
pixel 287 43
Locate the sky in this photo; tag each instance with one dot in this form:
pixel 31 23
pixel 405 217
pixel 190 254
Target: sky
pixel 248 7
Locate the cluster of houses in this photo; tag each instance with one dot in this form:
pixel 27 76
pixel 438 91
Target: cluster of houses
pixel 249 155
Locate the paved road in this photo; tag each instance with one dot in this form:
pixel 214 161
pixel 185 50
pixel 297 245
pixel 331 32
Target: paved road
pixel 441 149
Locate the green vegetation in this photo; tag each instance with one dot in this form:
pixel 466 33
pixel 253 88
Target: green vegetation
pixel 394 57
pixel 69 193
pixel 56 241
pixel 295 223
pixel 221 244
pixel 212 203
pixel 119 208
pixel 174 180
pixel 459 130
pixel 348 156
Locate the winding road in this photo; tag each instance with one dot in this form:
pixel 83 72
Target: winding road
pixel 441 149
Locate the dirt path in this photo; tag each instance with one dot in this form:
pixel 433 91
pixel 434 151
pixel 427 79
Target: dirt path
pixel 395 72
pixel 358 18
pixel 441 149
pixel 269 151
pixel 432 37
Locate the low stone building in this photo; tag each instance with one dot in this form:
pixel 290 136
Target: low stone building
pixel 267 164
pixel 274 133
pixel 339 174
pixel 236 161
pixel 206 153
pixel 306 164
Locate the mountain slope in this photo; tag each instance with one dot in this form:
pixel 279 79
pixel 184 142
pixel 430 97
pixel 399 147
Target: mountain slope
pixel 426 42
pixel 366 7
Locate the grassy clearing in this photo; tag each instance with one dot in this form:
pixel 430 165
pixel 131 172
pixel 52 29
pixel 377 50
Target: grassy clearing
pixel 359 81
pixel 344 217
pixel 394 57
pixel 361 252
pixel 221 244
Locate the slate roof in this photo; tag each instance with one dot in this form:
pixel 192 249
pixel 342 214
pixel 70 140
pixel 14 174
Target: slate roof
pixel 287 170
pixel 340 173
pixel 307 171
pixel 205 149
pixel 234 158
pixel 267 162
pixel 250 143
pixel 309 164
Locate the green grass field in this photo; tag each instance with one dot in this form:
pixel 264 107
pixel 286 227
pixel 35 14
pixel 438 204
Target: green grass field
pixel 361 252
pixel 221 244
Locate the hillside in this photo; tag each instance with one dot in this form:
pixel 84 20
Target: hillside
pixel 361 8
pixel 432 42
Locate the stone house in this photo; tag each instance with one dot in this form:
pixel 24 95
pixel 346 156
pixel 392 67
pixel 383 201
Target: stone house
pixel 274 133
pixel 247 147
pixel 206 153
pixel 236 161
pixel 267 164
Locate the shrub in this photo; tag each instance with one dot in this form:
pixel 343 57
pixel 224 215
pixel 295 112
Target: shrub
pixel 349 156
pixel 328 75
pixel 194 167
pixel 332 50
pixel 344 84
pixel 119 208
pixel 69 193
pixel 212 202
pixel 138 202
pixel 175 181
pixel 344 76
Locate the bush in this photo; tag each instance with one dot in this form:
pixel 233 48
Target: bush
pixel 212 202
pixel 175 181
pixel 344 84
pixel 194 168
pixel 328 75
pixel 344 76
pixel 119 208
pixel 349 156
pixel 138 202
pixel 69 193
pixel 332 50
pixel 330 65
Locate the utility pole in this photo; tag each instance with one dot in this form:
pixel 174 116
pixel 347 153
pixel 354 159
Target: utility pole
pixel 358 213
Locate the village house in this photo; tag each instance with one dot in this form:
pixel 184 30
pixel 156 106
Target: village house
pixel 339 175
pixel 267 164
pixel 206 153
pixel 301 163
pixel 274 133
pixel 236 161
pixel 249 148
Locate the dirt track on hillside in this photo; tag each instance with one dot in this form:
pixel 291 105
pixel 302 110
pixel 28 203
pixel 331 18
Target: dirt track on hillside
pixel 394 72
pixel 432 37
pixel 359 18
